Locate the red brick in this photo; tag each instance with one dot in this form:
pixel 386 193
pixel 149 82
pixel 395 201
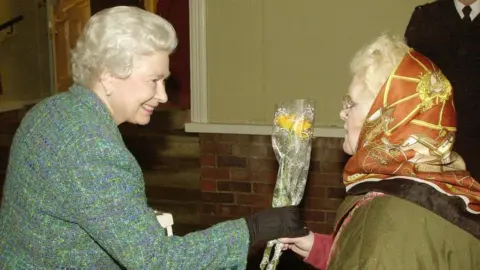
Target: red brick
pixel 234 138
pixel 261 151
pixel 315 216
pixel 336 193
pixel 324 228
pixel 208 147
pixel 322 204
pixel 315 192
pixel 261 188
pixel 262 139
pixel 316 154
pixel 234 211
pixel 256 209
pixel 329 155
pixel 330 217
pixel 215 173
pixel 240 175
pixel 325 179
pixel 150 161
pixel 229 161
pixel 208 185
pixel 208 137
pixel 215 148
pixel 240 150
pixel 234 186
pixel 172 193
pixel 208 160
pixel 182 211
pixel 314 166
pixel 224 149
pixel 218 197
pixel 254 199
pixel 265 177
pixel 331 167
pixel 209 208
pixel 325 143
pixel 263 164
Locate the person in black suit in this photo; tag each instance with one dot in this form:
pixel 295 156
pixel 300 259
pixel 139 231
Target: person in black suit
pixel 448 32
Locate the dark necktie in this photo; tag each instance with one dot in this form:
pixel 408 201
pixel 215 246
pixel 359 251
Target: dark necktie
pixel 466 13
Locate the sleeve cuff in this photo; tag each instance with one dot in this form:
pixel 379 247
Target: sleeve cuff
pixel 318 256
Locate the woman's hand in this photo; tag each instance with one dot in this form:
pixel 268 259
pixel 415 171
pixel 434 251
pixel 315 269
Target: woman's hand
pixel 300 245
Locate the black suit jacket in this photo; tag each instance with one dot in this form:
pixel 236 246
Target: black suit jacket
pixel 437 31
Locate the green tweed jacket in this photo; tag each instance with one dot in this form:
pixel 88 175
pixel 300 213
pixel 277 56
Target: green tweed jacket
pixel 74 198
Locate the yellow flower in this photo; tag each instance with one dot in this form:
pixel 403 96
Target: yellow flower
pixel 285 121
pixel 300 126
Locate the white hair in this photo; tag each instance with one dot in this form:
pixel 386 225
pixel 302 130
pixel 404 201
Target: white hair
pixel 113 37
pixel 376 61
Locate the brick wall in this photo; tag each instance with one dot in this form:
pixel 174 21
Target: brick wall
pixel 238 174
pixel 207 178
pixel 170 160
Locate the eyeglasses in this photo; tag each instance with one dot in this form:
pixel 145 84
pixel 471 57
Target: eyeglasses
pixel 347 102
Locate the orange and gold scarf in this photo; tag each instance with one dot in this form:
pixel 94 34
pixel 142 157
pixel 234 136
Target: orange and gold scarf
pixel 409 133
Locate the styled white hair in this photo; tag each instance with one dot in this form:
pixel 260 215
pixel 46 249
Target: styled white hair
pixel 113 37
pixel 377 60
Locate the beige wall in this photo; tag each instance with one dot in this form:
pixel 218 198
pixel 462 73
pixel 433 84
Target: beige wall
pixel 24 57
pixel 260 52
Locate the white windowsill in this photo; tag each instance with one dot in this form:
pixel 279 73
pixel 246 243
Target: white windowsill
pixel 326 132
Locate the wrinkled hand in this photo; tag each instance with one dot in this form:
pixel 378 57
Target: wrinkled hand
pixel 300 245
pixel 275 223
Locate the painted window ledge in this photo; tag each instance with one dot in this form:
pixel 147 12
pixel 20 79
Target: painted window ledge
pixel 326 132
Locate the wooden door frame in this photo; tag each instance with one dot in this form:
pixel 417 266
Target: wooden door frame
pixel 149 5
pixel 53 16
pixel 51 31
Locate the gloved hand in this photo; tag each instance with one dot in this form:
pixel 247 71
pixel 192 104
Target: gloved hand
pixel 275 223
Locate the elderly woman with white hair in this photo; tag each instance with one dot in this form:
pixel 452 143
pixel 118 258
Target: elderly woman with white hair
pixel 74 196
pixel 411 203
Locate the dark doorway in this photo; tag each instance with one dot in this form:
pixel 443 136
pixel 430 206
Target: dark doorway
pixel 97 5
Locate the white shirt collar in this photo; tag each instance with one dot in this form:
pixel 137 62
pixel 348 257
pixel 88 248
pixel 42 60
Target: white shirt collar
pixel 475 8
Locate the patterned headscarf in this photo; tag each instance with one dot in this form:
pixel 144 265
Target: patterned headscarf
pixel 409 132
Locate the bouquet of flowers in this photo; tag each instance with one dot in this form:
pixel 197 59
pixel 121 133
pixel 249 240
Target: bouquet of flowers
pixel 292 144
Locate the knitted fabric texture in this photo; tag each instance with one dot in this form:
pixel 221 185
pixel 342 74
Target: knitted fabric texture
pixel 74 197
